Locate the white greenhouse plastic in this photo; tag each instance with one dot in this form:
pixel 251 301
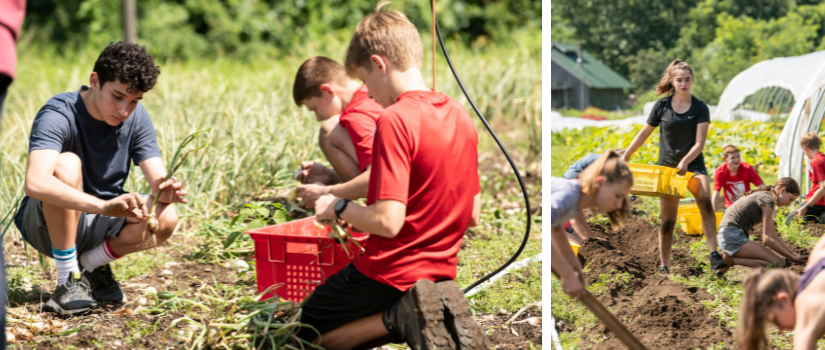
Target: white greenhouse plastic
pixel 804 77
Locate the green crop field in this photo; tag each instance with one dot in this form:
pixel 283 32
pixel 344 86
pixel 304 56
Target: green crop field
pixel 756 140
pixel 257 140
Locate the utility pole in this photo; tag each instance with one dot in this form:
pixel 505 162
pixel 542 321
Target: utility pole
pixel 129 9
pixel 579 62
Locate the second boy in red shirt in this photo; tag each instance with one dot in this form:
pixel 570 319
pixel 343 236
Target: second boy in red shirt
pixel 424 193
pixel 733 178
pixel 814 205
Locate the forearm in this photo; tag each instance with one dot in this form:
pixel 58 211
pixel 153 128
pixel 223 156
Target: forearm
pixel 773 241
pixel 816 197
pixel 353 189
pixel 558 238
pixel 718 202
pixel 581 227
pixel 558 264
pixel 48 189
pixel 370 219
pixel 694 152
pixel 805 340
pixel 637 142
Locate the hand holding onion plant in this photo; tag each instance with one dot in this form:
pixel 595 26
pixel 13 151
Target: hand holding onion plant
pixel 173 166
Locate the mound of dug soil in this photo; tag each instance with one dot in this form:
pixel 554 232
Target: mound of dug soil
pixel 660 312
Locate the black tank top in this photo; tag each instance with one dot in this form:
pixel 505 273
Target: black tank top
pixel 809 275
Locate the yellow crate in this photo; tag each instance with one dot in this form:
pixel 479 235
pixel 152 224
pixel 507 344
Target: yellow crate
pixel 574 246
pixel 658 181
pixel 691 223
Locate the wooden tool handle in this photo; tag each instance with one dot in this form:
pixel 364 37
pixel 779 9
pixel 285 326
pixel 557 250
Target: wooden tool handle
pixel 609 320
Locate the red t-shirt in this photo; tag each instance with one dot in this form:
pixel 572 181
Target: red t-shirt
pixel 817 174
pixel 359 119
pixel 735 186
pixel 426 156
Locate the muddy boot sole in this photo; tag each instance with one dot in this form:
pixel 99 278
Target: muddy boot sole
pixel 430 312
pixel 458 317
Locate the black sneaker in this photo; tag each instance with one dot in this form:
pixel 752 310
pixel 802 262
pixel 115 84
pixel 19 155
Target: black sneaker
pixel 104 287
pixel 717 262
pixel 72 297
pixel 458 317
pixel 663 270
pixel 418 319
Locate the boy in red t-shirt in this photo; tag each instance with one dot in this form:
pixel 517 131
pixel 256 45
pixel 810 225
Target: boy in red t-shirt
pixel 733 178
pixel 322 85
pixel 814 201
pixel 424 193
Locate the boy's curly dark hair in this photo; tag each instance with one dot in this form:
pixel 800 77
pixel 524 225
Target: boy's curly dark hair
pixel 130 64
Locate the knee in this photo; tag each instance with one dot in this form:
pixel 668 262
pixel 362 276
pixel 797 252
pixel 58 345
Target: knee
pixel 325 134
pixel 69 170
pixel 167 222
pixel 668 225
pixel 704 204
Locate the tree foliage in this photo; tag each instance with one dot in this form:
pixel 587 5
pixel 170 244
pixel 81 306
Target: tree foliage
pixel 243 28
pixel 719 38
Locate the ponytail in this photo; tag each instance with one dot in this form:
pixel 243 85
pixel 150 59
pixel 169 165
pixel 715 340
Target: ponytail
pixel 614 170
pixel 760 289
pixel 788 183
pixel 665 85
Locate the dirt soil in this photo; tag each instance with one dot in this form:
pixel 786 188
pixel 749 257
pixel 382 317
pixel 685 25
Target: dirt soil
pixel 660 312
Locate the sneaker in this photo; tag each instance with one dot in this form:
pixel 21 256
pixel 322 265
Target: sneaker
pixel 104 287
pixel 72 297
pixel 717 262
pixel 663 270
pixel 418 319
pixel 458 317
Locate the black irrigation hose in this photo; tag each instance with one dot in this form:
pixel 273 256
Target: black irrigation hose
pixel 504 150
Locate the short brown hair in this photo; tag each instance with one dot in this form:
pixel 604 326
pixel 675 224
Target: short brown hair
pixel 387 33
pixel 728 150
pixel 810 141
pixel 313 73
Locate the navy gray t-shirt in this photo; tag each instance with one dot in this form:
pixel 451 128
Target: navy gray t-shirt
pixel 64 125
pixel 678 131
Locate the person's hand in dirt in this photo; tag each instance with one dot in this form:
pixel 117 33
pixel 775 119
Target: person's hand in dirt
pixel 314 172
pixel 325 208
pixel 173 191
pixel 310 193
pixel 129 205
pixel 800 213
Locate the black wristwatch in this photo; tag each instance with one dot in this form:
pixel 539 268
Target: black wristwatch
pixel 340 205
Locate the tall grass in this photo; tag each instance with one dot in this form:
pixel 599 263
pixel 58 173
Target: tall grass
pixel 259 134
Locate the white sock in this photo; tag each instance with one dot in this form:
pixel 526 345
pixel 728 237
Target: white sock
pixel 97 257
pixel 66 261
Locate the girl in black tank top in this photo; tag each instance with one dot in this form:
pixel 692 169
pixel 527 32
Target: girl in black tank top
pixel 683 122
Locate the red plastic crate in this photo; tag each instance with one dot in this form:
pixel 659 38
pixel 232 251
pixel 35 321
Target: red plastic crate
pixel 299 255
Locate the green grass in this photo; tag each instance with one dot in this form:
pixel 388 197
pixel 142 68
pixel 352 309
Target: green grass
pixel 259 137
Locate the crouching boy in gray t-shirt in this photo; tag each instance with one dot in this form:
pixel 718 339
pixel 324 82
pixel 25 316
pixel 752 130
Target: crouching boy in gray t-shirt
pixel 81 147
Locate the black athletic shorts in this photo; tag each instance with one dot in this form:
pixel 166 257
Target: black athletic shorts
pixel 345 297
pixel 814 214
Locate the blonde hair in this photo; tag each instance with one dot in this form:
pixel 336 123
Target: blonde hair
pixel 387 33
pixel 665 85
pixel 728 150
pixel 611 166
pixel 810 141
pixel 761 287
pixel 788 183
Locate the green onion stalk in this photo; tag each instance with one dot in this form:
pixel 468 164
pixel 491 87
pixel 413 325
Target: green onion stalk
pixel 180 156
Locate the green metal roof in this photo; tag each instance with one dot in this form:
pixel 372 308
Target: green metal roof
pixel 596 74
